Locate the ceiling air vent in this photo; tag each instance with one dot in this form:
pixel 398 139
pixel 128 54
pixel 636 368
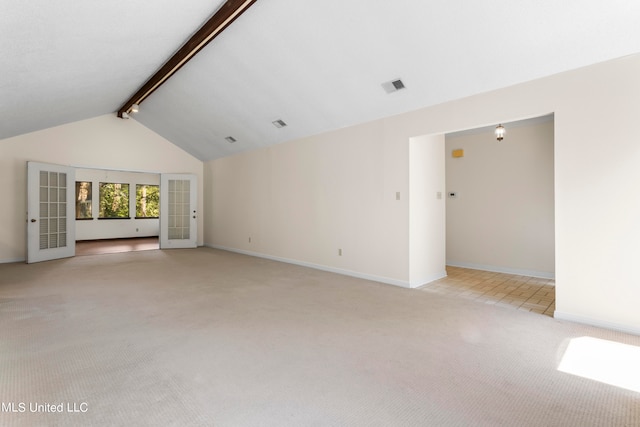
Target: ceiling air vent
pixel 393 86
pixel 279 123
pixel 230 139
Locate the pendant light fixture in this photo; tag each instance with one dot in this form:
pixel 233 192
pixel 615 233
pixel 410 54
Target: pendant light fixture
pixel 500 131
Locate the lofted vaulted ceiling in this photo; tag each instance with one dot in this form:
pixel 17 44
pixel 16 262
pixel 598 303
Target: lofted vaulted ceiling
pixel 318 65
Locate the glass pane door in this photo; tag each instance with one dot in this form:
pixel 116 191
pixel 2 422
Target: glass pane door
pixel 50 227
pixel 178 219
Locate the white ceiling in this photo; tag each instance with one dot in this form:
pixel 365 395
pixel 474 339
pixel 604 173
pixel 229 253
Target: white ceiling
pixel 316 64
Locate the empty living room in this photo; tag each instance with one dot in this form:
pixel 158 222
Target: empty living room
pixel 319 213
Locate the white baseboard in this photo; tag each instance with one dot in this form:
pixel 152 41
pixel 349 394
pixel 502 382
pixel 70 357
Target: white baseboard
pixel 11 260
pixel 596 322
pixel 429 279
pixel 506 270
pixel 386 280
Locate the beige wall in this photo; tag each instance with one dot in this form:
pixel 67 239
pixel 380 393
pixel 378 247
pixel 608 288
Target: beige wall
pixel 502 218
pixel 302 200
pixel 105 142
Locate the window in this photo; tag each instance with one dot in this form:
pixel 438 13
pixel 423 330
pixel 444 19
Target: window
pixel 114 200
pixel 83 200
pixel 147 201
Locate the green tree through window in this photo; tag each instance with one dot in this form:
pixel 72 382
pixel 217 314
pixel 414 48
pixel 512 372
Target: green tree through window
pixel 114 200
pixel 147 201
pixel 83 200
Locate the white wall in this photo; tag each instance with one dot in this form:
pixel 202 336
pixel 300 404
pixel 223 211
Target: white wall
pixel 306 198
pixel 104 142
pixel 426 209
pixel 91 229
pixel 502 218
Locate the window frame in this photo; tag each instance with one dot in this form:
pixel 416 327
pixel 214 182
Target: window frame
pixel 127 204
pixel 88 201
pixel 158 202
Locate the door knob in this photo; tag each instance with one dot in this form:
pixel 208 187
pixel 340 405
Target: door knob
pixel 33 220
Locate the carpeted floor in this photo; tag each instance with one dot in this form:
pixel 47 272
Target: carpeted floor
pixel 203 337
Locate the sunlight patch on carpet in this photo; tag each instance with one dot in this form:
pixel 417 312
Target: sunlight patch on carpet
pixel 605 361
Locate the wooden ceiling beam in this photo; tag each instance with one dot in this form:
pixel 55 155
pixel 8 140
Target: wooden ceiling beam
pixel 224 17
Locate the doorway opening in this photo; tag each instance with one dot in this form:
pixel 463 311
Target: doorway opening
pixel 66 205
pixel 116 211
pixel 498 207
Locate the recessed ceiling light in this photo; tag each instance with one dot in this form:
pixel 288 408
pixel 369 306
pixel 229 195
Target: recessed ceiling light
pixel 279 123
pixel 393 86
pixel 230 139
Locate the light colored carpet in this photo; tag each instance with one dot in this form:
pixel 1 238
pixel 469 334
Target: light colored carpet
pixel 206 337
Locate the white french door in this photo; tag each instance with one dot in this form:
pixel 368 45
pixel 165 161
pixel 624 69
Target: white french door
pixel 50 212
pixel 178 219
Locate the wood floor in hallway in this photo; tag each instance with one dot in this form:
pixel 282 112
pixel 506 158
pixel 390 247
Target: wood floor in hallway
pixel 111 246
